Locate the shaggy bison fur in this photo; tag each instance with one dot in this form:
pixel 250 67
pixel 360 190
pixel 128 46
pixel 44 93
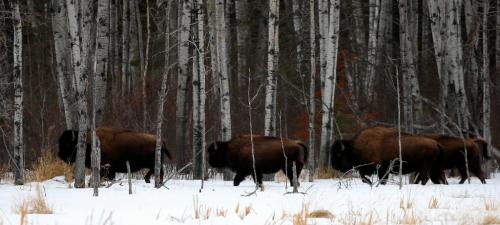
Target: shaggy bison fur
pixel 454 155
pixel 117 147
pixel 372 150
pixel 236 154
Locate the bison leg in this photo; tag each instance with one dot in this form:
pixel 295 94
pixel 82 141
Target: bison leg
pixel 107 174
pixel 238 178
pixel 147 177
pixel 463 173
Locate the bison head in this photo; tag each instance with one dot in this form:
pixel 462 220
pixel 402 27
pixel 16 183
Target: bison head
pixel 341 155
pixel 67 146
pixel 217 154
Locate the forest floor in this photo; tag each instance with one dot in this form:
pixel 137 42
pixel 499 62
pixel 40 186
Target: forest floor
pixel 325 202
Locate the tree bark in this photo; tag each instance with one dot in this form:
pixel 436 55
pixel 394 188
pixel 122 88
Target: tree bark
pixel 102 57
pixel 373 30
pixel 297 26
pixel 222 72
pixel 272 68
pixel 312 89
pixel 497 41
pixel 18 96
pixel 407 62
pixel 199 97
pixel 146 64
pixel 486 87
pixel 125 45
pixel 182 79
pixel 328 97
pixel 242 36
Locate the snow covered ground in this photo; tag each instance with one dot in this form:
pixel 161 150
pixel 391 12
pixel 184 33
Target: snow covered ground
pixel 221 203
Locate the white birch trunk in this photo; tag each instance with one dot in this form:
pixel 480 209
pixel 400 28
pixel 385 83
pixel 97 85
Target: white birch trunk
pixel 272 68
pixel 407 63
pixel 297 26
pixel 63 60
pixel 146 63
pixel 328 97
pixel 102 57
pixel 134 49
pixel 222 72
pixel 373 30
pixel 81 83
pixel 18 96
pixel 242 36
pixel 125 45
pixel 486 85
pixel 312 88
pixel 199 97
pixel 182 79
pixel 323 32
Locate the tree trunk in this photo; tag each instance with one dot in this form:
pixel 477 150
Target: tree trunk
pixel 146 64
pixel 407 63
pixel 373 30
pixel 242 36
pixel 312 88
pixel 102 58
pixel 18 96
pixel 125 45
pixel 161 102
pixel 63 60
pixel 486 87
pixel 222 72
pixel 199 96
pixel 497 42
pixel 297 26
pixel 323 32
pixel 182 79
pixel 328 97
pixel 272 68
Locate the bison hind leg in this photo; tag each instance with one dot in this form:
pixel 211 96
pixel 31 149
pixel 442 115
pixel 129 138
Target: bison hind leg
pixel 238 178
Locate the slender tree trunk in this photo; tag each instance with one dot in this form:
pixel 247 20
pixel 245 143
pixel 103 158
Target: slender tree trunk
pixel 102 57
pixel 182 79
pixel 222 72
pixel 272 68
pixel 312 88
pixel 125 45
pixel 297 26
pixel 242 36
pixel 497 42
pixel 63 61
pixel 18 96
pixel 146 64
pixel 199 96
pixel 486 87
pixel 328 98
pixel 135 60
pixel 373 30
pixel 407 63
pixel 161 102
pixel 323 32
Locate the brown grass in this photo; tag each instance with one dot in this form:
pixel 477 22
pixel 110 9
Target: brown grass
pixel 409 218
pixel 3 171
pixel 433 203
pixel 490 205
pixel 325 173
pixel 357 217
pixel 242 212
pixel 321 213
pixel 301 217
pixel 33 205
pixel 406 203
pixel 490 219
pixel 49 166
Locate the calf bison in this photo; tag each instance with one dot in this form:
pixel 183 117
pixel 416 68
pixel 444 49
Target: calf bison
pixel 271 155
pixel 117 147
pixel 454 155
pixel 372 150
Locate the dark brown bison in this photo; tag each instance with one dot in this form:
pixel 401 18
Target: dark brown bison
pixel 372 150
pixel 236 154
pixel 454 155
pixel 117 147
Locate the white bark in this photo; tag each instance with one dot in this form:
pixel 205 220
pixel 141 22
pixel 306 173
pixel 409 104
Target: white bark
pixel 297 26
pixel 242 36
pixel 373 30
pixel 125 45
pixel 312 88
pixel 328 97
pixel 407 63
pixel 63 60
pixel 222 72
pixel 199 97
pixel 182 79
pixel 102 57
pixel 146 63
pixel 323 32
pixel 18 96
pixel 486 82
pixel 272 68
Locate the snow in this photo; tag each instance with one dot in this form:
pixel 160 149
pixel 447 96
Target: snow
pixel 457 204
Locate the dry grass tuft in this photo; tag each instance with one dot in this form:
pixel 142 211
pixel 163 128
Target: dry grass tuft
pixel 326 173
pixel 33 205
pixel 321 213
pixel 301 217
pixel 490 205
pixel 242 212
pixel 406 204
pixel 433 203
pixel 490 219
pixel 357 217
pixel 409 218
pixel 49 166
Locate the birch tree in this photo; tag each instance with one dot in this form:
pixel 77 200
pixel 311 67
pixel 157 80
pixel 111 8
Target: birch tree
pixel 102 57
pixel 373 30
pixel 328 97
pixel 199 97
pixel 312 88
pixel 146 63
pixel 64 68
pixel 297 26
pixel 125 44
pixel 272 69
pixel 182 79
pixel 407 63
pixel 486 84
pixel 222 72
pixel 18 96
pixel 242 36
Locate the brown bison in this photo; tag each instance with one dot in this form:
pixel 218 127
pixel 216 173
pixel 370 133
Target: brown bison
pixel 372 150
pixel 454 155
pixel 117 147
pixel 236 154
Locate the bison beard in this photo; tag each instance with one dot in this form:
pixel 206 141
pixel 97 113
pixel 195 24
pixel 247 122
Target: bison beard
pixel 454 155
pixel 117 147
pixel 373 149
pixel 236 154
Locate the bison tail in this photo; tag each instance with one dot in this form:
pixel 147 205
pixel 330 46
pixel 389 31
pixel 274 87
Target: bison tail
pixel 306 151
pixel 165 150
pixel 483 146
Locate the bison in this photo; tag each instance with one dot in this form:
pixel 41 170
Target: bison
pixel 454 155
pixel 271 155
pixel 373 149
pixel 117 147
